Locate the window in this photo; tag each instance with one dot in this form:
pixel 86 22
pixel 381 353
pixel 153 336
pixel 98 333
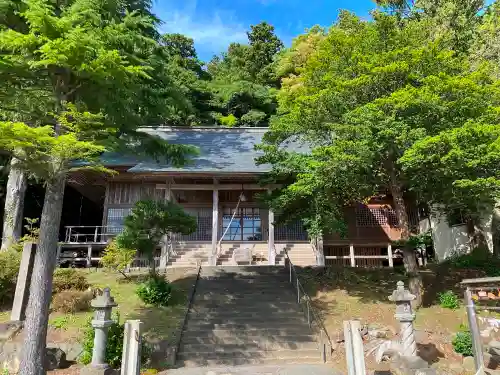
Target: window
pixel 204 228
pixel 245 226
pixel 116 218
pixel 376 216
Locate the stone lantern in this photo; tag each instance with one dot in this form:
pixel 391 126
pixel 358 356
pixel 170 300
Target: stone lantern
pixel 102 304
pixel 404 314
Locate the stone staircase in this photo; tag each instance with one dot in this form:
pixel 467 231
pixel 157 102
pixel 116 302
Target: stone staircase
pixel 190 253
pixel 301 254
pixel 246 316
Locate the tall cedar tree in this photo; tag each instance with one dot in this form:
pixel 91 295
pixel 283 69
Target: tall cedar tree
pixel 87 48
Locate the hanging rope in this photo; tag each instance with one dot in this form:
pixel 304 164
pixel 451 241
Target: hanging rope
pixel 230 222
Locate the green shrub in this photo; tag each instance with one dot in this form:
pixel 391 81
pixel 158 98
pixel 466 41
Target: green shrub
pixel 449 300
pixel 9 261
pixel 462 343
pixel 155 291
pixel 72 301
pixel 480 259
pixel 114 346
pixel 69 279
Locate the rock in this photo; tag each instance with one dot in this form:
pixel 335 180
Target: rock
pixel 468 364
pixel 9 330
pixel 491 361
pixel 55 358
pixel 378 334
pixel 388 349
pixel 494 347
pixel 421 336
pixel 426 371
pixel 403 365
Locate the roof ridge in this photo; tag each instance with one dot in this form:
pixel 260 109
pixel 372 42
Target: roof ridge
pixel 207 128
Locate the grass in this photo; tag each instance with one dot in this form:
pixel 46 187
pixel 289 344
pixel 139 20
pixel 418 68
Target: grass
pixel 159 323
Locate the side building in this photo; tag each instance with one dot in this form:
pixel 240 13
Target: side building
pixel 220 187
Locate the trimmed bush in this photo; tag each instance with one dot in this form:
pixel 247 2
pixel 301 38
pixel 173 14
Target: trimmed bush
pixel 155 291
pixel 449 300
pixel 69 279
pixel 462 343
pixel 71 301
pixel 9 261
pixel 114 346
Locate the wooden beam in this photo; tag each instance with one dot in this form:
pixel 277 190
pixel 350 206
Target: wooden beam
pixel 212 187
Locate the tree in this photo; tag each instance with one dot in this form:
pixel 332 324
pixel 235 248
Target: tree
pixel 85 50
pixel 149 222
pixel 243 83
pixel 459 170
pixel 117 258
pixel 361 99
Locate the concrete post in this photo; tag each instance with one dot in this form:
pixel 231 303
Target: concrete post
pixel 18 313
pixel 102 305
pixel 132 342
pixel 405 316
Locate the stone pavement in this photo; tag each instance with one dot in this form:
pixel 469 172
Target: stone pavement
pixel 257 370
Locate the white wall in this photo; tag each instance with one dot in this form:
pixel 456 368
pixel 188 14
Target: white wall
pixel 453 240
pixel 448 241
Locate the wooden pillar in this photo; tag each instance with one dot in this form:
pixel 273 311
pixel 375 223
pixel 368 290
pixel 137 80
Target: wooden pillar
pixel 390 256
pixel 89 256
pixel 215 226
pixel 353 259
pixel 270 241
pixel 164 247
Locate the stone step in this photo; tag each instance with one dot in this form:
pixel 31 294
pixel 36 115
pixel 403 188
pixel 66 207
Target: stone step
pixel 245 297
pixel 313 354
pixel 228 338
pixel 253 310
pixel 248 320
pixel 236 326
pixel 251 332
pixel 247 347
pixel 200 362
pixel 213 303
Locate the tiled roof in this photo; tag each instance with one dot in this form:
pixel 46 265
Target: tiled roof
pixel 221 150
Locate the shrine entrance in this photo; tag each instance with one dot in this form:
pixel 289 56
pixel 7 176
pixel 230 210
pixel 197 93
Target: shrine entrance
pixel 246 224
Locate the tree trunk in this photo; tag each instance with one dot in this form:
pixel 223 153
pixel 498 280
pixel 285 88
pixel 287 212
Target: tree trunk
pixel 495 227
pixel 37 314
pixel 415 280
pixel 14 205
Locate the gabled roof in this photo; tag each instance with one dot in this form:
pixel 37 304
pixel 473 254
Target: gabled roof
pixel 221 150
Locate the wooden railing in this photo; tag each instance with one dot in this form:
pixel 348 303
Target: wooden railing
pixel 303 299
pixel 90 234
pixel 351 258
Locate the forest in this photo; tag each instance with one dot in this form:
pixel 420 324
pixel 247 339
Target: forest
pixel 405 103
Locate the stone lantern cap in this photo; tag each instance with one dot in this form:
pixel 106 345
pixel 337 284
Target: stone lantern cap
pixel 104 300
pixel 401 294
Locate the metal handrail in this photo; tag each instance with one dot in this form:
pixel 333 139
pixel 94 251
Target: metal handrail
pixel 311 313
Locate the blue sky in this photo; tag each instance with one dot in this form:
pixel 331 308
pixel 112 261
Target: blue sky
pixel 213 24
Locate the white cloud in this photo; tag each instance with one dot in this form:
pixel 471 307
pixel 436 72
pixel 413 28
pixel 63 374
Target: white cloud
pixel 211 33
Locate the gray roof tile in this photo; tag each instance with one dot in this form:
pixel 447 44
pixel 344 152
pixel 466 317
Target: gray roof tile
pixel 220 150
